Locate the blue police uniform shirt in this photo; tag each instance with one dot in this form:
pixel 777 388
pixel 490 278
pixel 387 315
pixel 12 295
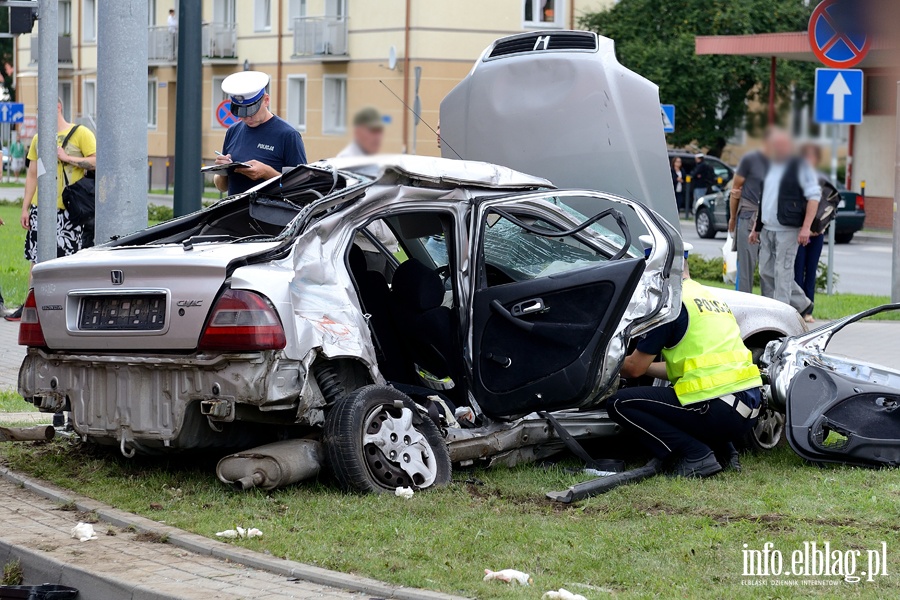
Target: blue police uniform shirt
pixel 274 143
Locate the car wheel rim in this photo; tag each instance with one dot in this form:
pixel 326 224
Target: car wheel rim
pixel 396 453
pixel 702 223
pixel 768 429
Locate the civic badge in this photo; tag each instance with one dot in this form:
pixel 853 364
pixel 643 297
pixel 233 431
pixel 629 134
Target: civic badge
pixel 117 277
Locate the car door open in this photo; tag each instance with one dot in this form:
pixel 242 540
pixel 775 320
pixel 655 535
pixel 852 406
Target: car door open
pixel 552 288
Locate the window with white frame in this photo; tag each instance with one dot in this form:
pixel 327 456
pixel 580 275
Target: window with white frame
pixel 89 21
pixel 152 104
pixel 89 95
pixel 65 94
pixel 334 104
pixel 64 17
pixel 543 13
pixel 296 10
pixel 151 13
pixel 217 96
pixel 224 12
pixel 262 15
pixel 296 99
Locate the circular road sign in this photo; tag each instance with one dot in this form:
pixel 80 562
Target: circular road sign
pixel 836 35
pixel 223 114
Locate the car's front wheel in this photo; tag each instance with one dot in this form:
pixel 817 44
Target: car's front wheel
pixel 843 238
pixel 377 441
pixel 703 223
pixel 768 431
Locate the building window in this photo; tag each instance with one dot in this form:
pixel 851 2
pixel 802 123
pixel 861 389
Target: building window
pixel 65 94
pixel 543 13
pixel 334 104
pixel 262 19
pixel 65 17
pixel 151 13
pixel 224 12
pixel 296 98
pixel 297 10
pixel 152 105
pixel 89 17
pixel 217 96
pixel 89 108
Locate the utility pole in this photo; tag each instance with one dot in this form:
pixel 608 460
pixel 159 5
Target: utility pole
pixel 48 95
pixel 122 128
pixel 895 279
pixel 188 100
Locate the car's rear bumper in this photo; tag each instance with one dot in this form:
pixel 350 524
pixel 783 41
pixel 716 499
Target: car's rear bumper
pixel 163 401
pixel 850 222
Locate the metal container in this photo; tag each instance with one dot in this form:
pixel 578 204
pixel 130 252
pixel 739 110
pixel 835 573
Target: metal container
pixel 273 465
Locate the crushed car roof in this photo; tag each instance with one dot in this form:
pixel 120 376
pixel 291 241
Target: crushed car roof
pixel 440 171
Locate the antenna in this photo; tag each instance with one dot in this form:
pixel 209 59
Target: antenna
pixel 418 116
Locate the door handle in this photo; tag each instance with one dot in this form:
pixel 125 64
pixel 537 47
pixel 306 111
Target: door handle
pixel 527 307
pixel 501 310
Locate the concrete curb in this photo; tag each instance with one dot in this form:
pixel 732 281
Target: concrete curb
pixel 204 546
pixel 873 238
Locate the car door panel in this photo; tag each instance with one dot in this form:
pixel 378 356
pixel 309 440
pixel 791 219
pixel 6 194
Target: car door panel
pixel 544 359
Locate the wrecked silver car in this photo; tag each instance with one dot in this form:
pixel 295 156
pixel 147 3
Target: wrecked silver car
pixel 839 409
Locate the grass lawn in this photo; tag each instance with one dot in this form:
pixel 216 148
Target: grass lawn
pixel 13 266
pixel 663 538
pixel 11 401
pixel 209 193
pixel 835 306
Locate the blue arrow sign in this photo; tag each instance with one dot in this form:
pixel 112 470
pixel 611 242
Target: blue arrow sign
pixel 12 112
pixel 668 117
pixel 839 96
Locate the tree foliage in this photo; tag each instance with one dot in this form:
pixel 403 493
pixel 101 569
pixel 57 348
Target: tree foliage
pixel 712 94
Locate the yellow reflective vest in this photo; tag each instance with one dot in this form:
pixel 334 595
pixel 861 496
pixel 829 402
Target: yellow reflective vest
pixel 711 359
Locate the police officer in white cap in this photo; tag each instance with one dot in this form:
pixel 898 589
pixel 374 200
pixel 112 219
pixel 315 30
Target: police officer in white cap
pixel 262 140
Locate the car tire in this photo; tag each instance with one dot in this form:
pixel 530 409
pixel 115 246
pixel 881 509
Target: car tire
pixel 368 437
pixel 843 238
pixel 703 224
pixel 768 432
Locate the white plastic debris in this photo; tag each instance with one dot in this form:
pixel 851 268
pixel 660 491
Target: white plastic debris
pixel 562 594
pixel 239 532
pixel 84 532
pixel 404 492
pixel 508 576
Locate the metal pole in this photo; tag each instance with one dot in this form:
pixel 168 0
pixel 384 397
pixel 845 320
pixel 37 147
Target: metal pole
pixel 48 95
pixel 829 285
pixel 122 126
pixel 895 273
pixel 189 97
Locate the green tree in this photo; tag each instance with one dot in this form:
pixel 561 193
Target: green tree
pixel 712 93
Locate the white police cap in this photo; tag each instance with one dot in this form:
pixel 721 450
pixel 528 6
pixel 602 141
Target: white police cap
pixel 246 90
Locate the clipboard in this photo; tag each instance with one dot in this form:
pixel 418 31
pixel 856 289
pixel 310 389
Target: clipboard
pixel 224 167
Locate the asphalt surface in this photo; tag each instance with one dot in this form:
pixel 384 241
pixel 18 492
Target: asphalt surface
pixel 863 266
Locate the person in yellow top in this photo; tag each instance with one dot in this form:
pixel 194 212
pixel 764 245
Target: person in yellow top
pixel 76 154
pixel 715 397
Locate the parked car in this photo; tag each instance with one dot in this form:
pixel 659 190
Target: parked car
pixel 723 171
pixel 711 212
pixel 851 215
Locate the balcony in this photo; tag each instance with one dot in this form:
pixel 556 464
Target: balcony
pixel 65 49
pixel 218 44
pixel 320 37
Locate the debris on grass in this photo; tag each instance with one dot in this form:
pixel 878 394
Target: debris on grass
pixel 562 594
pixel 508 576
pixel 156 506
pixel 404 492
pixel 239 532
pixel 84 532
pixel 12 573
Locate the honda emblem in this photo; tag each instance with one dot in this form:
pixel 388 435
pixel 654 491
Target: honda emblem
pixel 117 277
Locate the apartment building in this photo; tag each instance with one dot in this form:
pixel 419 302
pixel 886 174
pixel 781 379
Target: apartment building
pixel 327 59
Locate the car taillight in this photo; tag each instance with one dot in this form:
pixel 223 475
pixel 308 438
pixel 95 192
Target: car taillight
pixel 860 202
pixel 242 320
pixel 30 332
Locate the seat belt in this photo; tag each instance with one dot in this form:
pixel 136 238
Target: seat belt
pixel 608 465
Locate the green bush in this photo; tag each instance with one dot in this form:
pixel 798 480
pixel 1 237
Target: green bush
pixel 156 212
pixel 709 269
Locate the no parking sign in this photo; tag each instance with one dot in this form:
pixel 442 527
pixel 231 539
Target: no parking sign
pixel 837 35
pixel 223 114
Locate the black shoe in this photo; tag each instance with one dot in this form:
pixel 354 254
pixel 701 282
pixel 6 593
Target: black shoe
pixel 729 458
pixel 706 466
pixel 16 315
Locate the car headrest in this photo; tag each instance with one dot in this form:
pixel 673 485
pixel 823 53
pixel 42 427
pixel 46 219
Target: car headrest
pixel 416 288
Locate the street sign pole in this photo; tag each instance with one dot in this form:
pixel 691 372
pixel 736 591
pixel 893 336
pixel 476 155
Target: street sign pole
pixel 895 271
pixel 189 99
pixel 48 94
pixel 122 132
pixel 829 285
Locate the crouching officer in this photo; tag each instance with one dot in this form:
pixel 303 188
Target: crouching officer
pixel 262 140
pixel 715 397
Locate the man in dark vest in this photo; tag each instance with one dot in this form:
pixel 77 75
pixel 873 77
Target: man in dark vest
pixel 790 199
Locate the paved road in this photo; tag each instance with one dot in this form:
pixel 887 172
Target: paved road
pixel 862 267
